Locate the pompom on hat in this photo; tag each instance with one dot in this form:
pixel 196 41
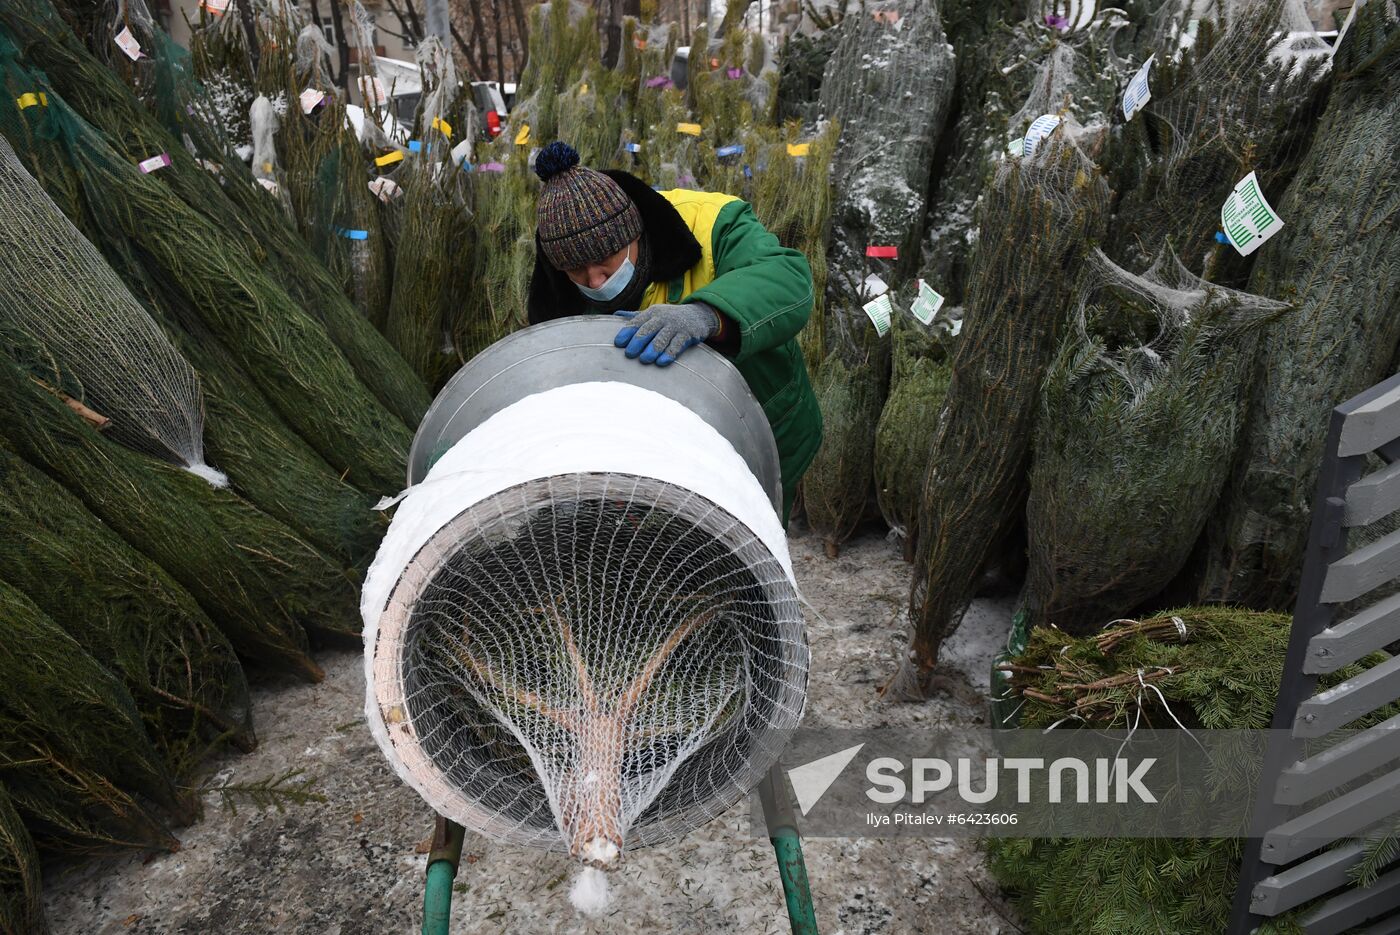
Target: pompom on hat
pixel 582 216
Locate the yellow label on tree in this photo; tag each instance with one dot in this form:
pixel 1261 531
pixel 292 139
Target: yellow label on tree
pixel 583 89
pixel 523 137
pixel 689 129
pixel 443 126
pixel 389 159
pixel 799 149
pixel 31 99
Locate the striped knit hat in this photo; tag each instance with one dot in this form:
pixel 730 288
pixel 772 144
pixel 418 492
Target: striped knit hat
pixel 583 216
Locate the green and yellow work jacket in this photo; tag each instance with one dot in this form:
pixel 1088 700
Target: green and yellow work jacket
pixel 711 248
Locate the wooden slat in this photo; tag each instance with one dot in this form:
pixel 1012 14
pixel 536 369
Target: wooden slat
pixel 1304 882
pixel 1372 423
pixel 1361 571
pixel 1390 926
pixel 1355 907
pixel 1362 633
pixel 1375 496
pixel 1351 759
pixel 1342 817
pixel 1343 703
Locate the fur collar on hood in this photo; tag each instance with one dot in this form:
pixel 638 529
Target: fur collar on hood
pixel 674 250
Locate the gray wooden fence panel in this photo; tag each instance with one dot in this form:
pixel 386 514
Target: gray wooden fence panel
pixel 1351 759
pixel 1362 633
pixel 1344 816
pixel 1301 883
pixel 1362 571
pixel 1389 926
pixel 1371 424
pixel 1374 497
pixel 1341 704
pixel 1355 907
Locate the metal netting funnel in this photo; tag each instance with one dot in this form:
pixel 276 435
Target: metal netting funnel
pixel 582 629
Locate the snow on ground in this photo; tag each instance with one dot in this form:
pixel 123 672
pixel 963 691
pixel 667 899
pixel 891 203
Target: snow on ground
pixel 354 864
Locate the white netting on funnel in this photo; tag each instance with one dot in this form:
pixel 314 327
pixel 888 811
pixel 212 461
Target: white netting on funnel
pixel 583 633
pixel 60 299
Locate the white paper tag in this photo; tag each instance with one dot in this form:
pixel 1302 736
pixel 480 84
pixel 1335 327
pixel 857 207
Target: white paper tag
pixel 1040 128
pixel 128 44
pixel 957 327
pixel 217 7
pixel 384 188
pixel 268 184
pixel 311 98
pixel 1017 146
pixel 372 91
pixel 154 163
pixel 1247 218
pixel 880 311
pixel 873 286
pixel 1137 93
pixel 926 304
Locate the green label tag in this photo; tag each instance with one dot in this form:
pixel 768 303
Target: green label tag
pixel 927 304
pixel 1247 218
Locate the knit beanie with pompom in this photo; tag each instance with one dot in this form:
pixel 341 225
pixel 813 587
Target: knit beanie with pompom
pixel 582 216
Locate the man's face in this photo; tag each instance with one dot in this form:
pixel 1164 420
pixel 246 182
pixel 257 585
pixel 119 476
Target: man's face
pixel 595 274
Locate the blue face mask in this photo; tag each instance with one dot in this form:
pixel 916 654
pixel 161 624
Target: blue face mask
pixel 619 280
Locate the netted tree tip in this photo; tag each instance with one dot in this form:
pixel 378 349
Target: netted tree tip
pixel 555 158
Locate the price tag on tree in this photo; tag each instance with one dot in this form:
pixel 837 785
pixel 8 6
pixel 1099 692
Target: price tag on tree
pixel 689 129
pixel 128 44
pixel 155 162
pixel 880 312
pixel 372 91
pixel 926 304
pixel 311 99
pixel 1137 93
pixel 522 138
pixel 1248 220
pixel 1040 128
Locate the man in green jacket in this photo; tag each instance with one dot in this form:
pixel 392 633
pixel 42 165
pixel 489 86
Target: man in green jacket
pixel 683 267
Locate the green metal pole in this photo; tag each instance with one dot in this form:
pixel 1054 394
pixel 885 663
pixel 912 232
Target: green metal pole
pixel 787 846
pixel 443 860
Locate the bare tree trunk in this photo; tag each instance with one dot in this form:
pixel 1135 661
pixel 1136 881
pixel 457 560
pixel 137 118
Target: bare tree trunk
pixel 500 51
pixel 473 67
pixel 483 54
pixel 685 19
pixel 342 46
pixel 522 36
pixel 245 13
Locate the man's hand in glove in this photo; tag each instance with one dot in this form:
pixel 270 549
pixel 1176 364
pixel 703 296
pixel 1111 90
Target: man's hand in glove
pixel 661 333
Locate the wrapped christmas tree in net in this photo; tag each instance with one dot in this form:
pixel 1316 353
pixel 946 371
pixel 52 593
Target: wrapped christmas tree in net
pixel 586 645
pixel 21 906
pixel 1013 66
pixel 1138 418
pixel 1217 668
pixel 434 238
pixel 1227 107
pixel 69 724
pixel 62 296
pixel 121 608
pixel 919 378
pixel 1337 260
pixel 1037 219
pixel 238 209
pixel 256 579
pixel 303 373
pixel 888 85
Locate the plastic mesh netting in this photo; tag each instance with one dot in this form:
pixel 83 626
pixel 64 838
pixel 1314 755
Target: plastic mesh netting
pixel 590 661
pixel 1139 414
pixel 60 295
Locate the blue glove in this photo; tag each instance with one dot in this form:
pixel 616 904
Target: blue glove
pixel 661 333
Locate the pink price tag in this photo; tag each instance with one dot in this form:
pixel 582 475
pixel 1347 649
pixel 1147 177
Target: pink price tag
pixel 311 99
pixel 883 253
pixel 736 73
pixel 155 162
pixel 491 167
pixel 660 81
